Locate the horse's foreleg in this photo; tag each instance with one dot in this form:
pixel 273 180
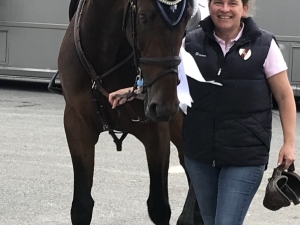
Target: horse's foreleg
pixel 156 140
pixel 190 214
pixel 81 140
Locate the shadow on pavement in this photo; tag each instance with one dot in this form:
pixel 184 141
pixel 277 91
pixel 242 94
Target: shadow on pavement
pixel 35 86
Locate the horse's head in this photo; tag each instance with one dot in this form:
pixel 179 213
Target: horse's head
pixel 155 28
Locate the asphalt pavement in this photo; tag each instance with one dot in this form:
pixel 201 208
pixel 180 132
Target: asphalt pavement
pixel 36 177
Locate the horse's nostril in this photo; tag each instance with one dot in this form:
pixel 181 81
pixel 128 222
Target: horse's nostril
pixel 152 108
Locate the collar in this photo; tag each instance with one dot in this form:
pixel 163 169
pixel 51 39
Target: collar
pixel 250 29
pixel 219 40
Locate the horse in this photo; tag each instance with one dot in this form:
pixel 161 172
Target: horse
pixel 110 45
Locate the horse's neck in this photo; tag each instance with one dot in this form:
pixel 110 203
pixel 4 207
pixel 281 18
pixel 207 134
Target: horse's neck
pixel 101 28
pixel 101 17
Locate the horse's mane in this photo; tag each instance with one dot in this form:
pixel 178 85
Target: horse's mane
pixel 72 8
pixel 195 7
pixel 74 4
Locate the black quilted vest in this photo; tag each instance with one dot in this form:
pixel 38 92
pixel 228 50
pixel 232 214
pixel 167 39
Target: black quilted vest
pixel 229 125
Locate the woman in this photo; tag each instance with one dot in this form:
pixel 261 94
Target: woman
pixel 227 130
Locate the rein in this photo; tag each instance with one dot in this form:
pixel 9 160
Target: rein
pixel 96 79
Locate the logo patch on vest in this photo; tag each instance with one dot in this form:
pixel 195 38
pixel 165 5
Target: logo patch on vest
pixel 198 54
pixel 245 53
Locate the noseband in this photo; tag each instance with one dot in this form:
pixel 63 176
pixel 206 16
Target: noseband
pixel 169 62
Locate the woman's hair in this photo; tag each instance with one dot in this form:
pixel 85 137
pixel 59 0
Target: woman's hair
pixel 251 3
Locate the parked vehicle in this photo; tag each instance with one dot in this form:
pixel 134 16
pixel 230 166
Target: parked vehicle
pixel 31 33
pixel 30 36
pixel 282 18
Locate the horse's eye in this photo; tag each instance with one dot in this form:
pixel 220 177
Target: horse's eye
pixel 143 18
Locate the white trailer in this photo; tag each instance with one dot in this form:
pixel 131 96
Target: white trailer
pixel 31 32
pixel 282 18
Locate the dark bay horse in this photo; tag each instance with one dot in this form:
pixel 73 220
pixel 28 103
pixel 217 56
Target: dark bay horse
pixel 143 38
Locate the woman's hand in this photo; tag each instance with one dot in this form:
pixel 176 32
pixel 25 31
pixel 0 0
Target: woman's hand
pixel 116 100
pixel 287 154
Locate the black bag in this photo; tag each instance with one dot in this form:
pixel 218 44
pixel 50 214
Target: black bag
pixel 282 189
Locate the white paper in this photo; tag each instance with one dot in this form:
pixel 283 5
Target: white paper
pixel 188 67
pixel 183 91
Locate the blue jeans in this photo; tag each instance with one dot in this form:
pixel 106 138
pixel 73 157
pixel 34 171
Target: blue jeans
pixel 224 194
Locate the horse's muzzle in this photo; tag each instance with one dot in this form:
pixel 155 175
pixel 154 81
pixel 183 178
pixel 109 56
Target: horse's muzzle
pixel 160 112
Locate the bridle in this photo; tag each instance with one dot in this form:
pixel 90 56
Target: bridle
pixel 170 63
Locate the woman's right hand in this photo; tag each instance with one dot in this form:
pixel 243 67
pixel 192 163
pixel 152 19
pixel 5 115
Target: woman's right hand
pixel 116 100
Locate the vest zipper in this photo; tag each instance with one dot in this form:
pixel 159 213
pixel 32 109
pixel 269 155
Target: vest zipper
pixel 214 140
pixel 221 62
pixel 221 59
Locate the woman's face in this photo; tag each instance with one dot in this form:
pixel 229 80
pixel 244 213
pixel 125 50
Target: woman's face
pixel 227 14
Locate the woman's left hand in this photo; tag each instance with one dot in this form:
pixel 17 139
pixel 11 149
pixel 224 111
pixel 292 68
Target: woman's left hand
pixel 287 154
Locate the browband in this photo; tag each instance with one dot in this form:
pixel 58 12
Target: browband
pixel 172 11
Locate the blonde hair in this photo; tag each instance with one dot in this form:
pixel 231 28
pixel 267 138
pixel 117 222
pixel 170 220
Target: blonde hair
pixel 252 8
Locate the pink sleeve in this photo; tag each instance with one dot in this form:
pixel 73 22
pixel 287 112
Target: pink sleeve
pixel 274 62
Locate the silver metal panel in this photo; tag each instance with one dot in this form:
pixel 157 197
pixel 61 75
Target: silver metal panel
pixel 33 31
pixel 285 47
pixel 36 29
pixel 38 48
pixel 3 46
pixel 295 63
pixel 280 17
pixel 35 11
